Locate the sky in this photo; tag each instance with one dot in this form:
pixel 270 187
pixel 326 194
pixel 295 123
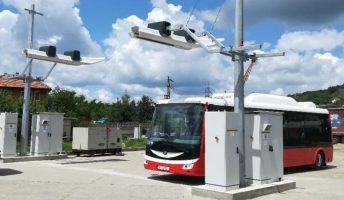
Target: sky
pixel 310 32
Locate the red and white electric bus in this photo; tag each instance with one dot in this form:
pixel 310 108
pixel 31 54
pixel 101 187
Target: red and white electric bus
pixel 176 143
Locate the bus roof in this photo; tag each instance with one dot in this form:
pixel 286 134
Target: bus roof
pixel 254 100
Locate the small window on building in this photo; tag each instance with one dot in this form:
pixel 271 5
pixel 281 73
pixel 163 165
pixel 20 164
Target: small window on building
pixel 37 96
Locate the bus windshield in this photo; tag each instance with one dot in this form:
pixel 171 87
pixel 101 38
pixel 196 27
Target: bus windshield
pixel 177 123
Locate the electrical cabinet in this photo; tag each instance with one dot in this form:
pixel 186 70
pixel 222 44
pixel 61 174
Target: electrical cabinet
pixel 89 138
pixel 8 134
pixel 46 133
pixel 221 150
pixel 96 140
pixel 264 147
pixel 114 140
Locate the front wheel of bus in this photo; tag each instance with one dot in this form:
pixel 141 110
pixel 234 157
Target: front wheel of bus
pixel 319 161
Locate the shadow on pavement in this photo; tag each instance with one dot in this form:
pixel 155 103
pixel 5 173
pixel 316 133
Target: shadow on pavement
pixel 9 172
pixel 179 179
pixel 303 169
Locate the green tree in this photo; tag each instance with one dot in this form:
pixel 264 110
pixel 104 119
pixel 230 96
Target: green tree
pixel 123 110
pixel 66 101
pixel 99 109
pixel 9 103
pixel 127 109
pixel 145 108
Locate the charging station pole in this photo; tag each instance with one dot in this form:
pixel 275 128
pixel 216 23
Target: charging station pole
pixel 26 105
pixel 239 86
pixel 182 37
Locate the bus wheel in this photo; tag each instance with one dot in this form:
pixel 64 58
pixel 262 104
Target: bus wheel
pixel 319 161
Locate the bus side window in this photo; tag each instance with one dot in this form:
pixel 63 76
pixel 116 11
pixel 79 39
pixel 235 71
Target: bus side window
pixel 295 130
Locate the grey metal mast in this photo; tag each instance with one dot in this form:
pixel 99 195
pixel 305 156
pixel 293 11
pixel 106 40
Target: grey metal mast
pixel 169 87
pixel 239 84
pixel 28 79
pixel 207 91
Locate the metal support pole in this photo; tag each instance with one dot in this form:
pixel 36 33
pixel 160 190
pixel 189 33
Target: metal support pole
pixel 239 86
pixel 26 105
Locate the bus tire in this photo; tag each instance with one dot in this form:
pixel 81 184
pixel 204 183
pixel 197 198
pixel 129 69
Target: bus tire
pixel 319 160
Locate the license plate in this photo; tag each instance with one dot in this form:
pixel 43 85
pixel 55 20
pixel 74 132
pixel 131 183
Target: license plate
pixel 163 168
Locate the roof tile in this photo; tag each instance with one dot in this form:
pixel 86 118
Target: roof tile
pixel 6 82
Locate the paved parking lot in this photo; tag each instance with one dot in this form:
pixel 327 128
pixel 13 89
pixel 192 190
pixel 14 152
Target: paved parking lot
pixel 123 177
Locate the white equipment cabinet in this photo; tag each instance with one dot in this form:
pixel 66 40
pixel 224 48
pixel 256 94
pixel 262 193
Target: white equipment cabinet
pixel 96 140
pixel 221 150
pixel 264 147
pixel 8 134
pixel 89 138
pixel 114 140
pixel 46 133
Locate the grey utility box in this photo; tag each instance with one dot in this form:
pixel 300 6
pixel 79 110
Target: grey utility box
pixel 96 140
pixel 8 134
pixel 114 138
pixel 221 150
pixel 89 138
pixel 46 133
pixel 264 147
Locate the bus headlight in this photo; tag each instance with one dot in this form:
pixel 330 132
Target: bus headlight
pixel 188 166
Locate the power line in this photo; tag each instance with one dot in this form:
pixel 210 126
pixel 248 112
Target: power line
pixel 192 11
pixel 217 16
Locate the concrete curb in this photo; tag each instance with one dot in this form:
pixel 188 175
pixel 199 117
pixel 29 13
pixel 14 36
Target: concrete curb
pixel 32 158
pixel 244 193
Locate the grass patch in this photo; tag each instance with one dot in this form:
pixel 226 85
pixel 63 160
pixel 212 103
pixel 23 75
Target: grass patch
pixel 134 143
pixel 67 147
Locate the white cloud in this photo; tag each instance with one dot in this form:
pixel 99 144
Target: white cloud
pixel 105 96
pixel 142 67
pixel 310 63
pixel 278 91
pixel 325 40
pixel 312 60
pixel 53 40
pixel 7 20
pixel 62 26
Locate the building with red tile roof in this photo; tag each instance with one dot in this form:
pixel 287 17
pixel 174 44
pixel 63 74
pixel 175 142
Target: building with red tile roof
pixel 14 84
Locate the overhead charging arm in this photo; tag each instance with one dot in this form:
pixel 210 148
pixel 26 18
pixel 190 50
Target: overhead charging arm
pixel 26 67
pixel 59 58
pixel 183 37
pixel 49 72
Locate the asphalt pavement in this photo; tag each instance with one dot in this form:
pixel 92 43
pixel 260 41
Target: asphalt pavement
pixel 123 177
